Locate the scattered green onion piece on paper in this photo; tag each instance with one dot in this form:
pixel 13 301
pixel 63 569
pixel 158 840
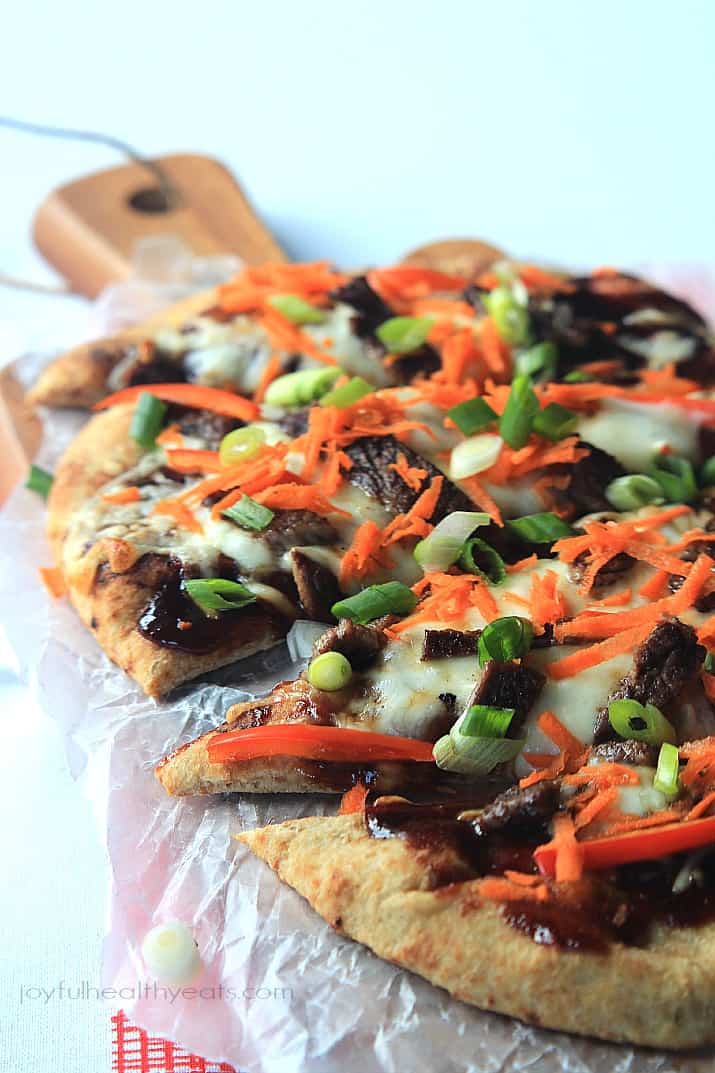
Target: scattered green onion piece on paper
pixel 296 309
pixel 347 394
pixel 543 528
pixel 474 455
pixel 633 491
pixel 302 387
pixel 521 408
pixel 330 671
pixel 240 445
pixel 478 557
pixel 676 477
pixel 390 598
pixel 555 421
pixel 538 362
pixel 39 480
pixel 215 594
pixel 505 639
pixel 249 514
pixel 444 544
pixel 510 316
pixel 402 334
pixel 484 721
pixel 666 776
pixel 642 722
pixel 147 420
pixel 472 416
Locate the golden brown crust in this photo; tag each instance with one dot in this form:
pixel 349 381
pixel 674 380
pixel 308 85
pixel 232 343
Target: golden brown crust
pixel 378 892
pixel 108 595
pixel 79 377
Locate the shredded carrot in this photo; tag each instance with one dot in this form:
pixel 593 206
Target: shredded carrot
pixel 478 493
pixel 297 497
pixel 548 605
pixel 365 554
pixel 560 735
pixel 569 757
pixel 495 352
pixel 411 475
pixel 171 436
pixel 404 284
pixel 184 460
pixel 450 308
pixel 285 336
pixel 535 278
pixel 447 598
pixel 569 854
pixel 53 580
pixel 598 804
pixel 272 369
pixel 249 290
pixel 592 655
pixel 655 586
pixel 179 512
pixel 633 823
pixel 123 495
pixel 353 800
pixel 415 521
pixel 498 889
pixel 616 599
pixel 700 572
pixel 603 775
pixel 459 350
pixel 196 396
pixel 521 564
pixel 702 806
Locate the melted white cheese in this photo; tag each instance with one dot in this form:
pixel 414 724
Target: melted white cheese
pixel 634 432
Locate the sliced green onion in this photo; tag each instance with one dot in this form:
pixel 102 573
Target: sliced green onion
pixel 241 444
pixel 302 387
pixel 472 416
pixel 666 776
pixel 539 362
pixel 391 598
pixel 484 721
pixel 510 316
pixel 521 408
pixel 39 480
pixel 676 477
pixel 445 543
pixel 402 334
pixel 709 663
pixel 481 559
pixel 633 491
pixel 474 455
pixel 542 528
pixel 707 472
pixel 330 671
pixel 215 594
pixel 642 722
pixel 249 514
pixel 147 420
pixel 555 421
pixel 576 376
pixel 296 309
pixel 347 394
pixel 474 756
pixel 505 639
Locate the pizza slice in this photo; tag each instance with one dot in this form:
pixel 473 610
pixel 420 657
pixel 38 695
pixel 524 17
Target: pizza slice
pixel 551 902
pixel 277 318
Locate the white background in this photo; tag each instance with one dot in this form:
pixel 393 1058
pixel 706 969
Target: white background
pixel 579 132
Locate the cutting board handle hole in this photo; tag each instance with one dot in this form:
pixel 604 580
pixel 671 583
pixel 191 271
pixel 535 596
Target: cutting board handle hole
pixel 152 200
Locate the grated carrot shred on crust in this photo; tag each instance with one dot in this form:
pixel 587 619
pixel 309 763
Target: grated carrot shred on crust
pixel 411 475
pixel 365 555
pixel 181 514
pixel 130 494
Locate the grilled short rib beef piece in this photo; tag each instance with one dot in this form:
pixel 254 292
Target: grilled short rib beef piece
pixel 370 309
pixel 626 752
pixel 590 476
pixel 359 644
pixel 317 586
pixel 519 809
pixel 373 455
pixel 508 685
pixel 296 529
pixel 668 659
pixel 442 644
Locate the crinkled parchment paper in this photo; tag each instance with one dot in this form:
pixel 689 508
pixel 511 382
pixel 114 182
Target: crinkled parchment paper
pixel 280 991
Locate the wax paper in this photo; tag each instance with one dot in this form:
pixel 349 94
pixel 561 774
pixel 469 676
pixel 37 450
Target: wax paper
pixel 280 991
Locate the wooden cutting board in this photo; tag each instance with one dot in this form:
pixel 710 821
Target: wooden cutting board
pixel 88 228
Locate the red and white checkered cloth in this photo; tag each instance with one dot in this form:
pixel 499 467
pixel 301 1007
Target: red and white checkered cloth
pixel 133 1051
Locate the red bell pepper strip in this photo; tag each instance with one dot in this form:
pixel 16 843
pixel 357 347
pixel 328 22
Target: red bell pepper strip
pixel 337 744
pixel 196 396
